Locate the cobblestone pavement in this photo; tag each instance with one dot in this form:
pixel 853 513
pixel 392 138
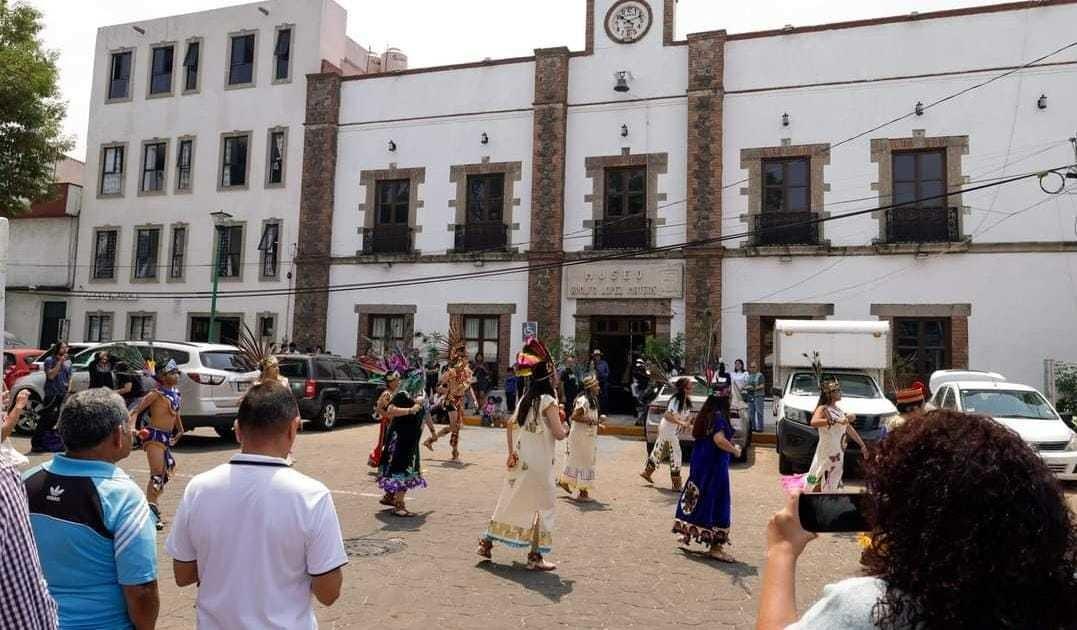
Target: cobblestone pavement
pixel 618 564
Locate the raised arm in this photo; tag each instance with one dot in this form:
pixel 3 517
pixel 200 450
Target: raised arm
pixel 13 414
pixel 552 416
pixel 819 419
pixel 142 405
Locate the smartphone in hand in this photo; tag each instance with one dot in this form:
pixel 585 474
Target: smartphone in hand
pixel 826 512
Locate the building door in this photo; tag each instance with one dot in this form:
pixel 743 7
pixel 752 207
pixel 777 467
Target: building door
pixel 228 326
pixel 52 316
pixel 620 339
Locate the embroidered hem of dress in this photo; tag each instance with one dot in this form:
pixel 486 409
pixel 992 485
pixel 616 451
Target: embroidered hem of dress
pixel 578 479
pixel 401 483
pixel 517 537
pixel 703 535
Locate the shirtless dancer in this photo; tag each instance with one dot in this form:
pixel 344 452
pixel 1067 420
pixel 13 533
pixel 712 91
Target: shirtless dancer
pixel 161 433
pixel 454 385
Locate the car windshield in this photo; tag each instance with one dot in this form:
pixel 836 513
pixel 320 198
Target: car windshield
pixel 852 385
pixel 1007 403
pixel 227 360
pixel 699 390
pixel 293 368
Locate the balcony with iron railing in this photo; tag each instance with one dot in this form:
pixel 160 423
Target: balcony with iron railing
pixel 785 228
pixel 631 232
pixel 390 238
pixel 484 236
pixel 923 225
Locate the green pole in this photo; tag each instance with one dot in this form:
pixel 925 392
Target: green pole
pixel 214 336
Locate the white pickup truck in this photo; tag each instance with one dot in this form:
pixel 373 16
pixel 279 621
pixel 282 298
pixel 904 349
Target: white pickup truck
pixel 855 353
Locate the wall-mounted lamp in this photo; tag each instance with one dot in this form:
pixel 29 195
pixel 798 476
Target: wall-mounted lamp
pixel 919 108
pixel 785 120
pixel 485 139
pixel 1041 102
pixel 624 131
pixel 622 80
pixel 392 146
pixel 139 30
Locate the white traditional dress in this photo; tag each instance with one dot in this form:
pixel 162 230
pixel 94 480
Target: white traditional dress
pixel 829 462
pixel 525 510
pixel 582 445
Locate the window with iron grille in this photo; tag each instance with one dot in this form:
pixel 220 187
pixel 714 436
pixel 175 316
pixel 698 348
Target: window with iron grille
pixel 241 60
pixel 485 197
pixel 626 191
pixel 230 242
pixel 919 179
pixel 161 70
pixel 269 246
pixel 386 333
pixel 112 171
pixel 924 344
pixel 153 167
pixel 184 158
pixel 282 54
pixel 787 185
pixel 234 162
pixel 190 66
pixel 275 164
pixel 481 335
pixel 98 327
pixel 104 258
pixel 140 327
pixel 393 196
pixel 179 250
pixel 267 326
pixel 119 76
pixel 146 241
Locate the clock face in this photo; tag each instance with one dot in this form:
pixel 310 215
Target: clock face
pixel 628 21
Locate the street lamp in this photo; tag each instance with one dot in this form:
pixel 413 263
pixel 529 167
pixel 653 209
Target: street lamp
pixel 219 217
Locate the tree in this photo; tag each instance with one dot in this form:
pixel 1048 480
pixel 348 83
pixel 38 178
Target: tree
pixel 31 111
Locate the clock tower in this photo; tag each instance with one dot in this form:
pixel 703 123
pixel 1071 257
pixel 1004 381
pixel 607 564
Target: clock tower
pixel 629 23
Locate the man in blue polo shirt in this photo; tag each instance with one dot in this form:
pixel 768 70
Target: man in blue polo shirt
pixel 95 535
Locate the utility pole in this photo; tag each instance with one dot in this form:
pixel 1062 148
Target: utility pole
pixel 218 217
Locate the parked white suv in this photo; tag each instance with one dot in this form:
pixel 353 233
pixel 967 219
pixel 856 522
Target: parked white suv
pixel 213 378
pixel 742 428
pixel 1018 407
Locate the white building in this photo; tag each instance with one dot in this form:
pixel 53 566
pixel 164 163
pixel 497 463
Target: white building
pixel 641 140
pixel 191 115
pixel 42 250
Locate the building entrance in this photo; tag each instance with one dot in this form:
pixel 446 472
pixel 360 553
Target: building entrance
pixel 621 340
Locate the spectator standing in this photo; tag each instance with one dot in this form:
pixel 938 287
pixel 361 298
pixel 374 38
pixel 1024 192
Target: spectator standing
pixel 511 383
pixel 481 373
pixel 568 381
pixel 601 370
pixel 101 371
pixel 283 532
pixel 755 393
pixel 57 382
pixel 25 602
pixel 97 541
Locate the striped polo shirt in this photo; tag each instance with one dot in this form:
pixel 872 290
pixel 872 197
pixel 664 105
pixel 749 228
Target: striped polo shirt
pixel 94 535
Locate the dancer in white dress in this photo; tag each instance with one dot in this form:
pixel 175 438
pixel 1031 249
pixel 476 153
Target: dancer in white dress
pixel 835 427
pixel 582 444
pixel 524 517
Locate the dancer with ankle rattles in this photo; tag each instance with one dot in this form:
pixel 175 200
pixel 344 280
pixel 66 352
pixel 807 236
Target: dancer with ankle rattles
pixel 578 474
pixel 524 517
pixel 455 384
pixel 668 446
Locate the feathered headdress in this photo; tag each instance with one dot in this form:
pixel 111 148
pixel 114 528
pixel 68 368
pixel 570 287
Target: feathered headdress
pixel 404 364
pixel 257 352
pixel 656 372
pixel 534 357
pixel 828 385
pixel 134 360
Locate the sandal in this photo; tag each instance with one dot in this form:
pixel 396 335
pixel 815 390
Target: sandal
pixel 429 443
pixel 564 486
pixel 485 548
pixel 388 500
pixel 536 563
pixel 721 556
pixel 403 512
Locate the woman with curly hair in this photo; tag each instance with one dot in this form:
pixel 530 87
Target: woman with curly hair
pixel 969 529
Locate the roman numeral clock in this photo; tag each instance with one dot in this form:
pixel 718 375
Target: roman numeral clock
pixel 628 21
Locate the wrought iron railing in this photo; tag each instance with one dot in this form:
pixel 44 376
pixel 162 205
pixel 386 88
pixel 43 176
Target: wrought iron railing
pixel 485 236
pixel 632 232
pixel 785 228
pixel 923 225
pixel 387 239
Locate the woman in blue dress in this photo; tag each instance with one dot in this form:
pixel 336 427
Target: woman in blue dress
pixel 703 512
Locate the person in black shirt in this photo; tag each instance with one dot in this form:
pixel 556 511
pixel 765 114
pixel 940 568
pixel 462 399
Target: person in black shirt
pixel 101 374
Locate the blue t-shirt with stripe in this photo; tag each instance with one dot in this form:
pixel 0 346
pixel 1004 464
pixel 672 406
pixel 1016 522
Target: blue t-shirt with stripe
pixel 95 534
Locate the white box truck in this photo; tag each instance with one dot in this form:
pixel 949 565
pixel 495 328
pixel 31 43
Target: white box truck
pixel 856 354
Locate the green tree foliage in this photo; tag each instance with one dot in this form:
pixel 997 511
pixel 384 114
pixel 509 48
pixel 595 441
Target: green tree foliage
pixel 1066 388
pixel 31 111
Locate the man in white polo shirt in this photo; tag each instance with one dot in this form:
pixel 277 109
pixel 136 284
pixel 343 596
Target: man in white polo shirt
pixel 258 537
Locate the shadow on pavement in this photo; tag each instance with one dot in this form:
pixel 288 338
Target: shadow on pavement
pixel 401 523
pixel 549 585
pixel 737 571
pixel 446 463
pixel 586 506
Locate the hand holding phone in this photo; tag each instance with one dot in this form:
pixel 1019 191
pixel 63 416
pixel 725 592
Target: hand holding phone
pixel 833 511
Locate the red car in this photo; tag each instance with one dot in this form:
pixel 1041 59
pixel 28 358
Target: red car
pixel 19 362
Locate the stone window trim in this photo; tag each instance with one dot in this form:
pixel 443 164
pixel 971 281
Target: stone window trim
pixel 201 62
pixel 93 254
pixel 754 313
pixel 171 246
pixel 369 180
pixel 660 309
pixel 279 222
pixel 656 164
pixel 149 70
pixel 504 313
pixel 882 150
pixel 291 54
pixel 365 311
pixel 132 314
pixel 130 78
pixel 101 170
pixel 262 315
pixel 134 254
pixel 513 172
pixel 958 314
pixel 249 135
pixel 194 147
pixel 111 315
pixel 142 168
pixel 269 151
pixel 228 60
pixel 752 159
pixel 215 252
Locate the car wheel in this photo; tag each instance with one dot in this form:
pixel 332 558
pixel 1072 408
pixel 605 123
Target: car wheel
pixel 27 421
pixel 228 434
pixel 747 447
pixel 785 465
pixel 327 417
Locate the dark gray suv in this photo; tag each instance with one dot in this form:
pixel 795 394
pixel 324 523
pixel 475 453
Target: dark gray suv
pixel 329 388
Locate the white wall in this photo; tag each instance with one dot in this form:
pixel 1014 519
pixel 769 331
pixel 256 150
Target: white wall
pixel 22 314
pixel 41 252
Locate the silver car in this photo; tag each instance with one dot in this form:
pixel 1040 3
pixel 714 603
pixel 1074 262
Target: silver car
pixel 742 435
pixel 35 382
